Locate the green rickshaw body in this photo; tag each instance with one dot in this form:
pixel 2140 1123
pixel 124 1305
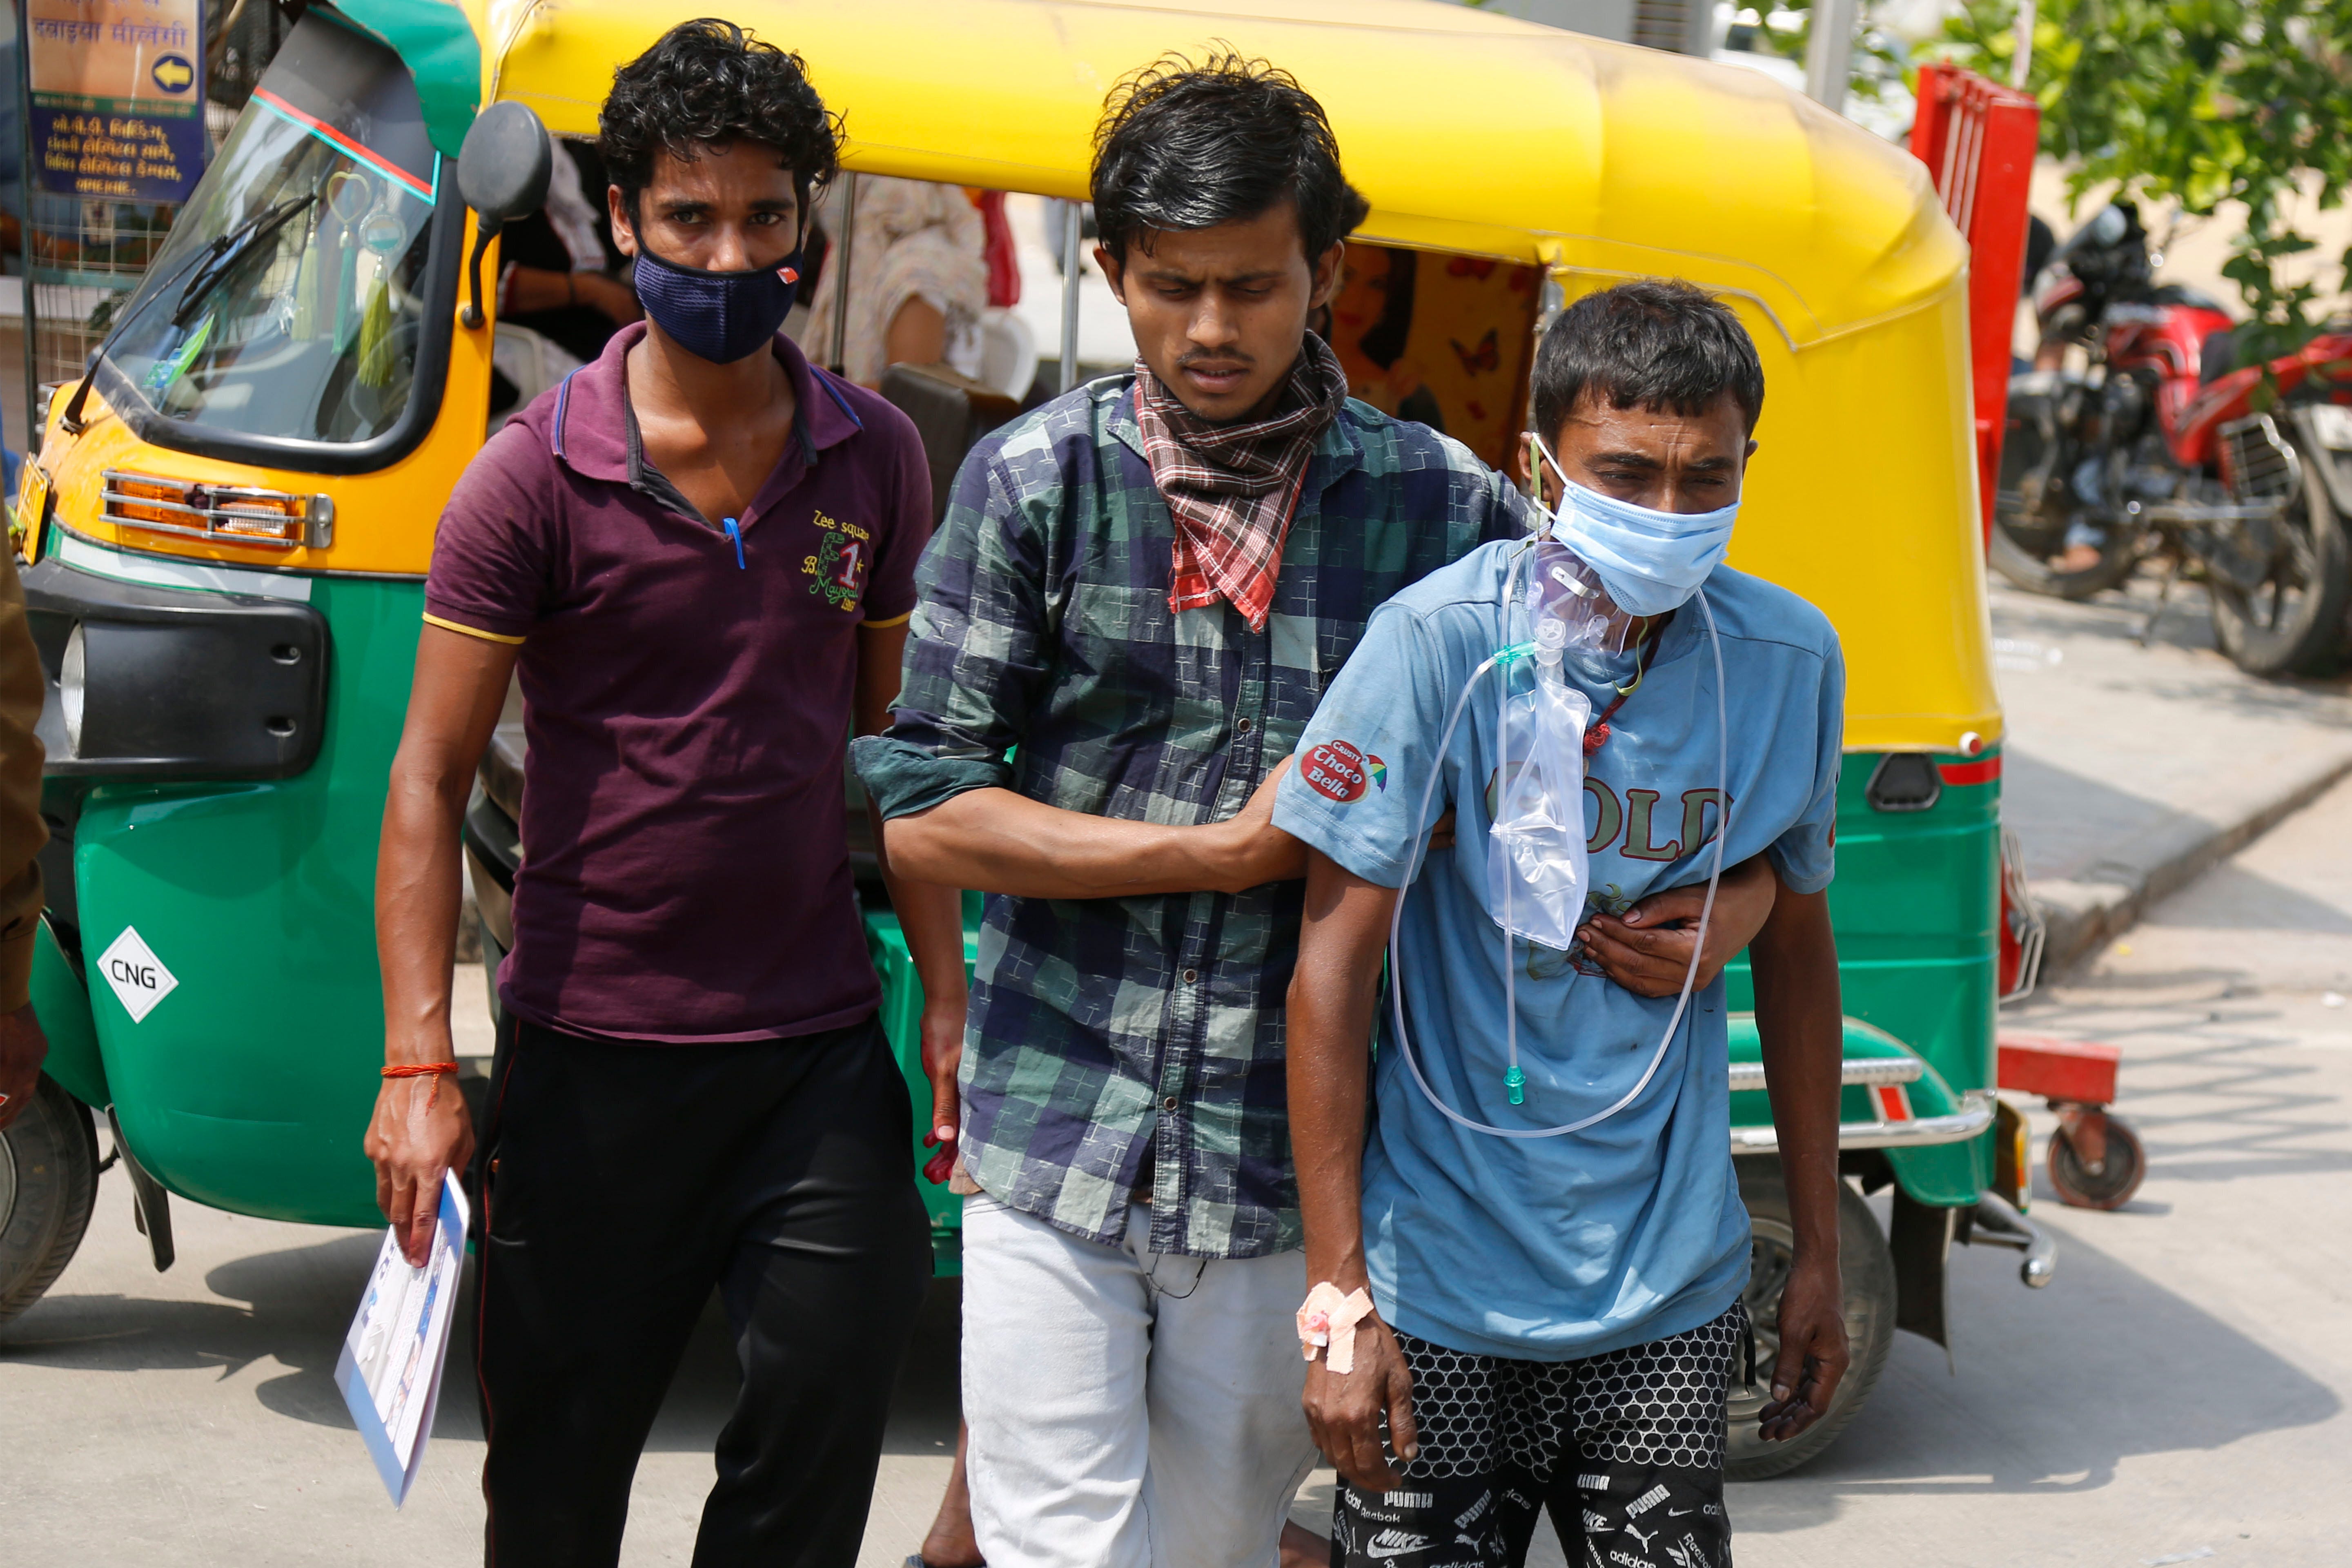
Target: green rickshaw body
pixel 1917 911
pixel 246 1086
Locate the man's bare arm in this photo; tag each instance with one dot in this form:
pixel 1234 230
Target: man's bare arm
pixel 1328 1034
pixel 1003 842
pixel 420 1128
pixel 1800 1024
pixel 930 914
pixel 1648 950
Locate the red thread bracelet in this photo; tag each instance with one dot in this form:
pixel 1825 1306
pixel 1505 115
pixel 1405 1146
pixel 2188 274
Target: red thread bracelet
pixel 434 1070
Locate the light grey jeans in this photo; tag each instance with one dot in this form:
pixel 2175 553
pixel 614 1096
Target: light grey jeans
pixel 1127 1410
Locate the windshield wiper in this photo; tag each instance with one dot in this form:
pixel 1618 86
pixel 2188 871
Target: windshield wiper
pixel 233 245
pixel 230 249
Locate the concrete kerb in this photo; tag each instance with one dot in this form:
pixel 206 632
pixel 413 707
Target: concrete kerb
pixel 2084 914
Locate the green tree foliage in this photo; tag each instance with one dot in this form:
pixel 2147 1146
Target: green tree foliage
pixel 1879 62
pixel 2198 101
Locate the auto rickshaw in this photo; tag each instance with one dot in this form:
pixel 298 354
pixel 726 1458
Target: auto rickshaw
pixel 229 521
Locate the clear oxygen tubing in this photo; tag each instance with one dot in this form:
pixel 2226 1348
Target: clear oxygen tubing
pixel 1510 967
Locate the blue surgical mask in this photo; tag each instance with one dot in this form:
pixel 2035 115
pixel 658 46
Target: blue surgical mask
pixel 1649 561
pixel 719 316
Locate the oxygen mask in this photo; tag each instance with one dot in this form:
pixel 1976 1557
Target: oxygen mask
pixel 1566 594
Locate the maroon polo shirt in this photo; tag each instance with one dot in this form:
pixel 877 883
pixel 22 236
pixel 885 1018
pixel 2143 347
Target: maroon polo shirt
pixel 686 876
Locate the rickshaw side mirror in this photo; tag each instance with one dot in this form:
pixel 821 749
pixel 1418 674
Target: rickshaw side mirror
pixel 502 173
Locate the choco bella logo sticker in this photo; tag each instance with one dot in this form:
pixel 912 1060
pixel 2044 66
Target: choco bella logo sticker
pixel 1337 770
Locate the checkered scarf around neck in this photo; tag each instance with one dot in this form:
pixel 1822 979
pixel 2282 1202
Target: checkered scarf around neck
pixel 1233 489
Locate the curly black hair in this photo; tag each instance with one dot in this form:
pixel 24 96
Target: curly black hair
pixel 1186 145
pixel 709 82
pixel 1654 343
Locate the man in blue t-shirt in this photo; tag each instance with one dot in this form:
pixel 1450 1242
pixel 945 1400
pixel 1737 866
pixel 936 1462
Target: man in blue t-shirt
pixel 1542 1203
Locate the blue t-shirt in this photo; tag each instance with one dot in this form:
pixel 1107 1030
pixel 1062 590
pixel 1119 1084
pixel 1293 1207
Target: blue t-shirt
pixel 1558 1248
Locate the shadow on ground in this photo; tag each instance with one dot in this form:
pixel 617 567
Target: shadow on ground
pixel 292 1307
pixel 2056 1388
pixel 2069 822
pixel 2217 1109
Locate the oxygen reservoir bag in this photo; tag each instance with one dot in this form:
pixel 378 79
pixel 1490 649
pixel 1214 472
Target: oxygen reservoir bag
pixel 1537 873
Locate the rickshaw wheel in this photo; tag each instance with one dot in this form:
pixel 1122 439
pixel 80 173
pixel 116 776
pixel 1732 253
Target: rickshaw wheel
pixel 1869 1279
pixel 49 1184
pixel 2112 1183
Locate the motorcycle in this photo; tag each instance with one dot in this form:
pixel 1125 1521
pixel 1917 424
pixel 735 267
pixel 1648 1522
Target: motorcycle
pixel 2163 450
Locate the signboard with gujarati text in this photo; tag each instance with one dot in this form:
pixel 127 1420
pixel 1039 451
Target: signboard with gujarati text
pixel 117 106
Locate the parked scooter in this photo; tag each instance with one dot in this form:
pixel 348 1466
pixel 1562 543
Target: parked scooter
pixel 2163 450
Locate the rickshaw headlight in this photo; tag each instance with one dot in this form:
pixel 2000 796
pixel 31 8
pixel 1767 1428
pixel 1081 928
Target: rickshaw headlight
pixel 70 688
pixel 240 513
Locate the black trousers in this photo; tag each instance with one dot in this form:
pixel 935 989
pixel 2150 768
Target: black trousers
pixel 622 1183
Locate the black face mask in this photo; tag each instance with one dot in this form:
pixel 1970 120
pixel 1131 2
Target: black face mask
pixel 719 316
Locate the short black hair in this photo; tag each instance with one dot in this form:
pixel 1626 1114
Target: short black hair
pixel 709 82
pixel 1655 343
pixel 1188 147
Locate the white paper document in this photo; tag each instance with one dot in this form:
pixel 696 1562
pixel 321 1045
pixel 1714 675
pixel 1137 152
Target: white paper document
pixel 390 1369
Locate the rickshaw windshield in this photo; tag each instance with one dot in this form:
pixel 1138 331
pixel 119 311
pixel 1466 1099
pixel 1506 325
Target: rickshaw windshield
pixel 289 302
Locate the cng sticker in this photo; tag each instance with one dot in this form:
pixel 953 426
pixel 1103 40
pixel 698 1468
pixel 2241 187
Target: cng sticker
pixel 137 976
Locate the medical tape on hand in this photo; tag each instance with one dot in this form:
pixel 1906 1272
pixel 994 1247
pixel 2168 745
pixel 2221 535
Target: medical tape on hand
pixel 1327 1318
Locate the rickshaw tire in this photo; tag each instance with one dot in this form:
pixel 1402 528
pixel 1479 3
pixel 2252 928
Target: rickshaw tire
pixel 2112 1186
pixel 1867 1267
pixel 52 1149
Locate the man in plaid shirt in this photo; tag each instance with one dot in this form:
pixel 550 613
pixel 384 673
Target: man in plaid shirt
pixel 1137 595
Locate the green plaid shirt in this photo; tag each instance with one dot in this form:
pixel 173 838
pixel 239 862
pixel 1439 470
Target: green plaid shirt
pixel 1113 1033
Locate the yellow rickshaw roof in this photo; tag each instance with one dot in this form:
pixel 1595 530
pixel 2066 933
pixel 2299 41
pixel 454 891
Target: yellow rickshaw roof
pixel 1477 134
pixel 1469 131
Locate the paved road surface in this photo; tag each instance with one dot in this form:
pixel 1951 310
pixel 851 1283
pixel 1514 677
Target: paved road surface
pixel 2180 1389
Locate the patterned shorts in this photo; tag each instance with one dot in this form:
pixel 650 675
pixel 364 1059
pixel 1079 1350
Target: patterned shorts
pixel 1625 1450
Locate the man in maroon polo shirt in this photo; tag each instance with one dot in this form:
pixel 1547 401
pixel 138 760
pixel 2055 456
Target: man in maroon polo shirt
pixel 699 552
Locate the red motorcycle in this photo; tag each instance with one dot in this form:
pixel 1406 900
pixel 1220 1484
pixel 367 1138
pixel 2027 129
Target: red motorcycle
pixel 2163 451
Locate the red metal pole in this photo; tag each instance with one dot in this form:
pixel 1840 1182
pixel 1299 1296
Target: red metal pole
pixel 1978 139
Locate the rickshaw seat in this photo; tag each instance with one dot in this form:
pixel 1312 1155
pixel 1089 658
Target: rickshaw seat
pixel 952 413
pixel 502 770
